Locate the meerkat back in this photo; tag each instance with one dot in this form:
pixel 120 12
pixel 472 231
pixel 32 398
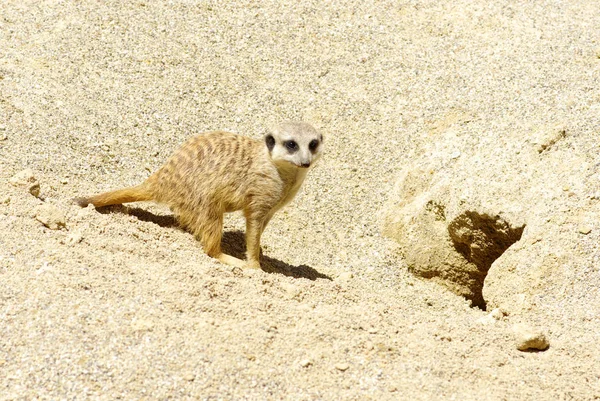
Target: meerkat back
pixel 207 173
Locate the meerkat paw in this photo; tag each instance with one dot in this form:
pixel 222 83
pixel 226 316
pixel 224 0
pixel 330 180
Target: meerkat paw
pixel 231 260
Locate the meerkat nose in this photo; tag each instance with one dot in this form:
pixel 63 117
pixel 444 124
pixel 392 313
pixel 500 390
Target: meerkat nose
pixel 305 165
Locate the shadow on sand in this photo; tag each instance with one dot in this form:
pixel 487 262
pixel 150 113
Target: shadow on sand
pixel 233 243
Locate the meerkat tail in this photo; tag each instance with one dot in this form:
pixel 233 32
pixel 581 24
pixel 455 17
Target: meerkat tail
pixel 132 194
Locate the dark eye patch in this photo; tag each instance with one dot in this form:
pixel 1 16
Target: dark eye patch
pixel 292 146
pixel 313 145
pixel 270 141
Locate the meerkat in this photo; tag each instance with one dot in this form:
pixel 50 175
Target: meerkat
pixel 220 172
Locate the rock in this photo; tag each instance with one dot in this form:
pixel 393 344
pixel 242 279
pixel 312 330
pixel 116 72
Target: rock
pixel 26 179
pixel 345 277
pixel 496 227
pixel 545 138
pixel 73 238
pixel 584 229
pixel 454 245
pixel 497 314
pixel 50 216
pixel 342 366
pixel 190 377
pixel 290 290
pixel 529 338
pixel 492 317
pixel 305 363
pixel 142 325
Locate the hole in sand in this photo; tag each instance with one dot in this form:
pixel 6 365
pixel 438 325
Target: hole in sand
pixel 482 239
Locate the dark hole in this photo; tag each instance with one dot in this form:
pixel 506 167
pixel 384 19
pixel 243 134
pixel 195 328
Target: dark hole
pixel 482 239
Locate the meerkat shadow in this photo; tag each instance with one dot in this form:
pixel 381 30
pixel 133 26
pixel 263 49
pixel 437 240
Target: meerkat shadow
pixel 141 214
pixel 234 244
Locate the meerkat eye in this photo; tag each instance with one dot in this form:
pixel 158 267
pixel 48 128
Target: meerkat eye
pixel 313 145
pixel 292 146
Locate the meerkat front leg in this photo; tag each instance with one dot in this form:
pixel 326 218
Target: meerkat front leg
pixel 255 225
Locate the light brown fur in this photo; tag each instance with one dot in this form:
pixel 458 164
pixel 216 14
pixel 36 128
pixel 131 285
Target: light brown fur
pixel 220 172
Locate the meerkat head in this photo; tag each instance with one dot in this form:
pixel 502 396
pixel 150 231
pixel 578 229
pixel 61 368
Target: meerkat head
pixel 294 143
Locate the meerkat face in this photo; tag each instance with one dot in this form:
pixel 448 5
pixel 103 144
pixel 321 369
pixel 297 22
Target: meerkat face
pixel 294 143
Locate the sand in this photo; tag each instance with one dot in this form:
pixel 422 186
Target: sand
pixel 122 304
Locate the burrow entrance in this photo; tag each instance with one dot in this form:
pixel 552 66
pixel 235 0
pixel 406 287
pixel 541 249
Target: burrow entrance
pixel 481 239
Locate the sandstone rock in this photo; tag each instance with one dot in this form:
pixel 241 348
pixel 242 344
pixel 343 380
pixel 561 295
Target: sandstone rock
pixel 496 225
pixel 451 244
pixel 529 338
pixel 26 179
pixel 50 216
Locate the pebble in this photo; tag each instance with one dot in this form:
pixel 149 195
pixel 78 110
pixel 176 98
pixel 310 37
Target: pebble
pixel 142 325
pixel 529 338
pixel 50 216
pixel 290 290
pixel 372 330
pixel 342 366
pixel 492 317
pixel 305 307
pixel 585 229
pixel 26 178
pixel 190 377
pixel 305 363
pixel 345 276
pixel 74 238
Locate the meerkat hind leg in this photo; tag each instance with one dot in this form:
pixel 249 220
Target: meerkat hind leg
pixel 210 235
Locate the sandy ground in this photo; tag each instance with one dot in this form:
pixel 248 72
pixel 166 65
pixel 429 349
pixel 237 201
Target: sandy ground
pixel 123 304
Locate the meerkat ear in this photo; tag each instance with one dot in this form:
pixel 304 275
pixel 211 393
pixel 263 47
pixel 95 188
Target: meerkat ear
pixel 270 141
